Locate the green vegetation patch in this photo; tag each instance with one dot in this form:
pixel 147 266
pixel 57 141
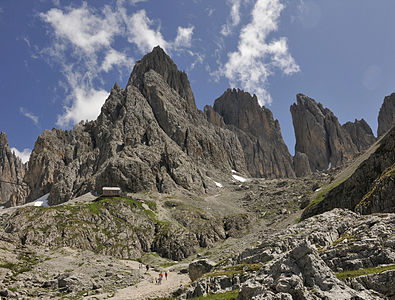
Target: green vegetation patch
pixel 387 173
pixel 344 236
pixel 321 195
pixel 232 295
pixel 360 272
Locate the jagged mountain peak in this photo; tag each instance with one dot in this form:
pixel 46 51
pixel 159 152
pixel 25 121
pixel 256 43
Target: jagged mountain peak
pixel 161 63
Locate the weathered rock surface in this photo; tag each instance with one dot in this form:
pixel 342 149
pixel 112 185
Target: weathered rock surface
pixel 305 261
pixel 361 134
pixel 12 189
pixel 301 164
pixel 120 227
pixel 265 152
pixel 370 188
pixel 197 268
pixel 319 135
pixel 386 118
pixel 147 137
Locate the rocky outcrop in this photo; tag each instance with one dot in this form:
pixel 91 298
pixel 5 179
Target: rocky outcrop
pixel 361 134
pixel 369 188
pixel 329 256
pixel 386 118
pixel 162 64
pixel 197 268
pixel 301 164
pixel 149 136
pixel 119 227
pixel 12 188
pixel 319 135
pixel 265 152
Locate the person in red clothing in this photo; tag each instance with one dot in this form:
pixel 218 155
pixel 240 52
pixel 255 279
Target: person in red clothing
pixel 166 275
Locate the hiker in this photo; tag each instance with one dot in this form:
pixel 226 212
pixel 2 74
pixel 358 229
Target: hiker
pixel 160 278
pixel 147 267
pixel 166 275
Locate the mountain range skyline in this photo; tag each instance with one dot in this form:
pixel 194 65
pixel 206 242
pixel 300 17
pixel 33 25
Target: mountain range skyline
pixel 67 58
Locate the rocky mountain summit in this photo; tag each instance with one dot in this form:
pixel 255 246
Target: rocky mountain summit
pixel 149 136
pixel 12 189
pixel 265 152
pixel 320 136
pixel 386 118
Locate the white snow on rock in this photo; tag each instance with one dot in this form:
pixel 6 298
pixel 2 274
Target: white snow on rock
pixel 42 201
pixel 329 166
pixel 234 171
pixel 239 178
pixel 218 184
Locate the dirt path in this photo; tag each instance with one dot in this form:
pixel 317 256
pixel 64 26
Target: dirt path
pixel 147 288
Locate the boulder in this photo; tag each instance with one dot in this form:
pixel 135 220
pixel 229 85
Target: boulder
pixel 200 267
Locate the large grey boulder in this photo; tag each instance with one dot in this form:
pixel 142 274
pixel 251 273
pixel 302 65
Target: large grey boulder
pixel 200 267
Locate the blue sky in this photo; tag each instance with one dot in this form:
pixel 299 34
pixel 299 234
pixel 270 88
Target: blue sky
pixel 59 59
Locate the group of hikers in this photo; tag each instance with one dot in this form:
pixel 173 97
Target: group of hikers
pixel 159 279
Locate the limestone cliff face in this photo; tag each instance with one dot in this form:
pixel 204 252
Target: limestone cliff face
pixel 361 134
pixel 265 152
pixel 319 135
pixel 370 187
pixel 147 138
pixel 386 118
pixel 12 190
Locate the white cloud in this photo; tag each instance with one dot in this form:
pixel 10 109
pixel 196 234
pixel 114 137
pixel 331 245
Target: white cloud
pixel 210 11
pixel 184 37
pixel 134 2
pixel 86 105
pixel 24 155
pixel 234 18
pixel 29 115
pixel 142 35
pixel 114 58
pixel 83 27
pixel 255 58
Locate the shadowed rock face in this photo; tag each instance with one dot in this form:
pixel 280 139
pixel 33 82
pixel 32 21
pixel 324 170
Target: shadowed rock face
pixel 370 188
pixel 265 152
pixel 148 137
pixel 361 134
pixel 319 135
pixel 12 171
pixel 386 118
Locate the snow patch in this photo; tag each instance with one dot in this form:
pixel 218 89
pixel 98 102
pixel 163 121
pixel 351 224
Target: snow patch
pixel 317 190
pixel 42 201
pixel 218 184
pixel 234 171
pixel 239 178
pixel 329 166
